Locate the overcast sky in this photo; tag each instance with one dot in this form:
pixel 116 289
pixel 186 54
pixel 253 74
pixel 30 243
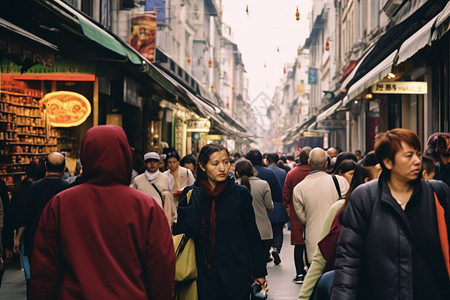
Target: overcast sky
pixel 268 25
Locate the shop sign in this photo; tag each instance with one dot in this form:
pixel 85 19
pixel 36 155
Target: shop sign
pixel 301 89
pixel 329 124
pixel 198 125
pixel 213 137
pixel 62 66
pixel 312 134
pixel 312 76
pixel 66 109
pixel 400 87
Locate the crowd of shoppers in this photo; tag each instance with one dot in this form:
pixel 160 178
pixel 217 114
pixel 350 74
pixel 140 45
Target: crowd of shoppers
pixel 106 234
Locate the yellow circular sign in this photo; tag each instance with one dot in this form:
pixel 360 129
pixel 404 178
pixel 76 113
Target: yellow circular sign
pixel 66 109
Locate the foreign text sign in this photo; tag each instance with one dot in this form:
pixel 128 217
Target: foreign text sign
pixel 400 87
pixel 198 125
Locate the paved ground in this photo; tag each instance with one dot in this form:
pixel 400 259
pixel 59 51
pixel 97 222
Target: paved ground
pixel 280 278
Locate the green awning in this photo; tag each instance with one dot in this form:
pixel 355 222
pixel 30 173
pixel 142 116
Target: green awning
pixel 102 37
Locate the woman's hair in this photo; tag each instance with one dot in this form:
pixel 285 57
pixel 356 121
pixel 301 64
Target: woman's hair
pixel 359 177
pixel 245 169
pixel 340 158
pixel 188 159
pixel 203 158
pixel 172 154
pixel 345 166
pixel 388 143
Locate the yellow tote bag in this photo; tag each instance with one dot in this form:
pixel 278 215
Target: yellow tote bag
pixel 186 265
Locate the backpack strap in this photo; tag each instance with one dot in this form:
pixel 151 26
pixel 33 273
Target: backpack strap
pixel 440 199
pixel 159 193
pixel 336 183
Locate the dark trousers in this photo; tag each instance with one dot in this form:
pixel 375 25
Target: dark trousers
pixel 277 229
pixel 322 290
pixel 266 244
pixel 299 260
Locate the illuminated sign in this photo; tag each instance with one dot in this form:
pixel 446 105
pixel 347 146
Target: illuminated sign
pixel 400 87
pixel 198 125
pixel 66 109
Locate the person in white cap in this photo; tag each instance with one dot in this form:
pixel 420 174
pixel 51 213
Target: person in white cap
pixel 153 183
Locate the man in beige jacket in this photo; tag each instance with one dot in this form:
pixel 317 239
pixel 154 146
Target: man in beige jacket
pixel 153 183
pixel 314 195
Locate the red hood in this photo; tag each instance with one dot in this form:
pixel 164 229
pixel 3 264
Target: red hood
pixel 106 156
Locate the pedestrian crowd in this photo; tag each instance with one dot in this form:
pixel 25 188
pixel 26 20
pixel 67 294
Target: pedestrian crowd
pixel 205 226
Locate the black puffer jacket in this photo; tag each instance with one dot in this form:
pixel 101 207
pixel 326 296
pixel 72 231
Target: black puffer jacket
pixel 376 253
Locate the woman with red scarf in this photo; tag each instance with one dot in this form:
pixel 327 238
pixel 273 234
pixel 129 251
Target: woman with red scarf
pixel 221 220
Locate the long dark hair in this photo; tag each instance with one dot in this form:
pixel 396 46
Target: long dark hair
pixel 204 156
pixel 245 169
pixel 359 177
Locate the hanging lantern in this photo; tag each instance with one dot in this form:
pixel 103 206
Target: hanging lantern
pixel 189 59
pixel 278 49
pixel 210 62
pixel 212 88
pixel 299 64
pixel 327 44
pixel 297 14
pixel 233 87
pixel 246 9
pixel 284 70
pixel 221 11
pixel 265 65
pixel 299 50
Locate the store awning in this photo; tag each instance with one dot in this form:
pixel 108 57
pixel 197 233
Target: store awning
pixel 442 25
pixel 294 132
pixel 355 69
pixel 314 31
pixel 406 9
pixel 99 35
pixel 416 42
pixel 376 74
pixel 329 112
pixel 17 30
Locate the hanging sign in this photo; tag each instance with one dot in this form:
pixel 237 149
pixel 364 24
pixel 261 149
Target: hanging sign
pixel 66 109
pixel 198 125
pixel 143 34
pixel 400 87
pixel 312 76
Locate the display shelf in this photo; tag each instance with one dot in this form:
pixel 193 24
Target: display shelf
pixel 7 112
pixel 32 144
pixel 12 165
pixel 31 134
pixel 22 105
pixel 28 116
pixel 14 173
pixel 18 94
pixel 22 153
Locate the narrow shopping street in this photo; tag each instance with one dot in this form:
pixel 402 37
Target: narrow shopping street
pixel 280 277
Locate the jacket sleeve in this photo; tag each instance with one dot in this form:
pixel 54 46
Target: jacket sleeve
pixel 287 192
pixel 350 247
pixel 319 262
pixel 298 204
pixel 160 258
pixel 46 262
pixel 252 234
pixel 189 217
pixel 268 203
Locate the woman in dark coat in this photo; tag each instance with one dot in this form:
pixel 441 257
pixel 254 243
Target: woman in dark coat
pixel 389 246
pixel 221 220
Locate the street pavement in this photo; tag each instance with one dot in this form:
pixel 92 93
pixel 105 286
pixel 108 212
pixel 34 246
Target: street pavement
pixel 281 286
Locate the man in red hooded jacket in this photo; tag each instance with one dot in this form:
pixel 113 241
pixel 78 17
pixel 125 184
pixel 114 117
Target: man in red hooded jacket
pixel 102 239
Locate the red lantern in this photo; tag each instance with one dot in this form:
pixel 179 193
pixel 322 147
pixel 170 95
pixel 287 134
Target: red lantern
pixel 212 88
pixel 284 70
pixel 327 44
pixel 278 49
pixel 246 9
pixel 297 14
pixel 189 59
pixel 210 62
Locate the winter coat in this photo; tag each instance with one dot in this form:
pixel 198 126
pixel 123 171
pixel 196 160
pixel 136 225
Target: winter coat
pixel 379 245
pixel 102 239
pixel 293 177
pixel 238 257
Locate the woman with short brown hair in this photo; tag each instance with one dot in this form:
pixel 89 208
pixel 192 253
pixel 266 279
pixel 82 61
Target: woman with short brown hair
pixel 389 246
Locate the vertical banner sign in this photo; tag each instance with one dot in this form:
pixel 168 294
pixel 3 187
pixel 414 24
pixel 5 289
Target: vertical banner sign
pixel 143 34
pixel 312 76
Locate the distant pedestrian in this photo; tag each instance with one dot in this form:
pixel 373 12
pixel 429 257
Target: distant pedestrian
pixel 438 148
pixel 314 195
pixel 153 183
pixel 297 229
pixel 179 177
pixel 389 246
pixel 428 168
pixel 189 162
pixel 346 169
pixel 358 155
pixel 221 220
pixel 256 158
pixel 102 239
pixel 262 199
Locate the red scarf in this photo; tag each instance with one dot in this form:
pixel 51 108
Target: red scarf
pixel 212 194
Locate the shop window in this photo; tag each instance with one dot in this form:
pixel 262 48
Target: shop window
pixel 126 4
pixel 86 7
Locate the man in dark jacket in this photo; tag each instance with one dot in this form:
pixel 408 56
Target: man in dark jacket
pixel 255 157
pixel 102 239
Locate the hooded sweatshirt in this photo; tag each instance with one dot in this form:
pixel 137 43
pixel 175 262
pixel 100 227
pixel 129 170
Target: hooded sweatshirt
pixel 103 239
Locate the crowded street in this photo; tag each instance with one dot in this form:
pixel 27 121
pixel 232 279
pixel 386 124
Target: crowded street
pixel 223 149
